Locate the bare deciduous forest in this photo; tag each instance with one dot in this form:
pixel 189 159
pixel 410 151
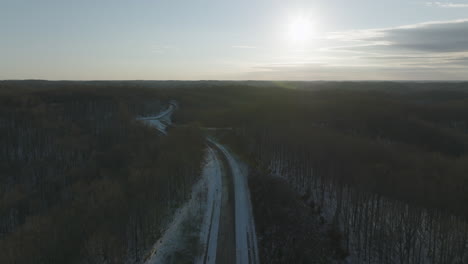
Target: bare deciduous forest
pixel 368 172
pixel 382 165
pixel 81 180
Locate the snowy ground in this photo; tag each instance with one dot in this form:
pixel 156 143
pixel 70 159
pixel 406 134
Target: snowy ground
pixel 202 212
pixel 246 237
pixel 162 120
pixel 210 226
pixel 198 218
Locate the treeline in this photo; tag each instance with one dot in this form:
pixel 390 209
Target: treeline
pixel 386 169
pixel 81 181
pixel 385 129
pixel 288 230
pixel 384 164
pixel 390 207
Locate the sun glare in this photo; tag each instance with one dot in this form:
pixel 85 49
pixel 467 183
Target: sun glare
pixel 300 29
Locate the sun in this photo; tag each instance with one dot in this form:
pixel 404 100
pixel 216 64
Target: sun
pixel 300 29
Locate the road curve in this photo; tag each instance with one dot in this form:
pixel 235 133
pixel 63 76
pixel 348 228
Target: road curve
pixel 161 114
pixel 211 221
pixel 218 231
pixel 162 120
pixel 246 238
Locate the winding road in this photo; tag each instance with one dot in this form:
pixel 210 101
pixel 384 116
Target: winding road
pixel 227 233
pixel 162 120
pixel 237 239
pixel 210 228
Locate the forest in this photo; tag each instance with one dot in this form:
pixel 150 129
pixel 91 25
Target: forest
pixel 384 165
pixel 371 172
pixel 81 181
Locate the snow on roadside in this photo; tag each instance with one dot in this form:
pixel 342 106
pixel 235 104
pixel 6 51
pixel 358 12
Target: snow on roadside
pixel 246 237
pixel 211 219
pixel 193 220
pixel 156 124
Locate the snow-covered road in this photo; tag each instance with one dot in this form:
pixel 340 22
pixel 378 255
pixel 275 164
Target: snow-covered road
pixel 162 119
pixel 245 235
pixel 210 226
pixel 227 230
pixel 201 209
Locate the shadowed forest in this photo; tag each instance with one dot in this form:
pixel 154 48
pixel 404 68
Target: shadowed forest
pixel 81 180
pixel 371 172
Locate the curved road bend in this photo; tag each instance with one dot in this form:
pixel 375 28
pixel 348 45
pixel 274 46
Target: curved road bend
pixel 236 240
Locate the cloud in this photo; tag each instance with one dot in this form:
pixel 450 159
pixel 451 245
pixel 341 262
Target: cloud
pixel 432 37
pixel 447 4
pixel 460 61
pixel 436 50
pixel 441 36
pixel 243 47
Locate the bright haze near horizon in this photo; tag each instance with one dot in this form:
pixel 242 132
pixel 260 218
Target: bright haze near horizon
pixel 234 40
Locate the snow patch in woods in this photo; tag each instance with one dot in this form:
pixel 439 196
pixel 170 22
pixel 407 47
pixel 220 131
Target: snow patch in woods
pixel 162 120
pixel 372 224
pixel 206 192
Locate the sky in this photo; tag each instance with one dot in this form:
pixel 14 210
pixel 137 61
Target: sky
pixel 234 40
